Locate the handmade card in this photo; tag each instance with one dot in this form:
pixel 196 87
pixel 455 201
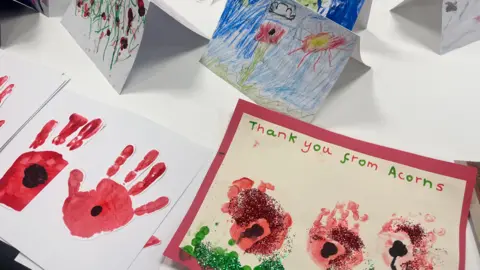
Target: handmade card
pixel 96 181
pixel 283 56
pixel 110 33
pixel 47 7
pixel 475 205
pixel 283 194
pixel 25 88
pixel 343 12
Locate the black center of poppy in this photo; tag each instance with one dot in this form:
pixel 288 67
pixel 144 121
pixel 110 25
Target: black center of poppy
pixel 96 210
pixel 254 231
pixel 328 250
pixel 398 249
pixel 271 32
pixel 34 175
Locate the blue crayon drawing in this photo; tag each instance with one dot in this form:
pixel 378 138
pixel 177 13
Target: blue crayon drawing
pixel 343 12
pixel 279 53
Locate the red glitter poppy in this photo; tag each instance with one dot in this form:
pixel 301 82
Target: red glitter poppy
pixel 333 244
pixel 407 244
pixel 260 225
pixel 270 33
pixel 109 206
pixel 29 174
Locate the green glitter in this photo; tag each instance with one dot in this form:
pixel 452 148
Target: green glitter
pixel 231 242
pixel 200 235
pixel 196 241
pixel 270 264
pixel 205 230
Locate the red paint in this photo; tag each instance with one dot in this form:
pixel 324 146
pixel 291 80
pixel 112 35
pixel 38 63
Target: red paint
pixel 3 80
pixel 19 185
pixel 43 134
pixel 151 207
pixel 108 206
pixel 141 8
pixel 418 240
pixel 251 208
pixel 130 19
pixel 124 155
pixel 333 228
pixel 75 121
pixel 123 43
pixel 2 122
pixel 149 158
pixel 6 92
pixel 465 174
pixel 152 241
pixel 86 10
pixel 156 172
pixel 85 133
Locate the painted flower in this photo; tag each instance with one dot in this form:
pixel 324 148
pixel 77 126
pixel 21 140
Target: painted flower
pixel 28 175
pixel 260 225
pixel 103 209
pixel 333 244
pixel 270 33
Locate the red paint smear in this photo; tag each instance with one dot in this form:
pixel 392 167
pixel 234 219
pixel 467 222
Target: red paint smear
pixel 3 80
pixel 75 121
pixel 14 193
pixel 336 230
pixel 149 158
pixel 43 134
pixel 2 122
pixel 124 155
pixel 157 171
pixel 251 206
pixel 85 133
pixel 6 92
pixel 130 19
pixel 152 206
pixel 418 240
pixel 152 241
pixel 113 199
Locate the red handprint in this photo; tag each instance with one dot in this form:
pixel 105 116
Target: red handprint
pixel 4 93
pixel 406 243
pixel 109 205
pixel 333 243
pixel 34 170
pixel 260 224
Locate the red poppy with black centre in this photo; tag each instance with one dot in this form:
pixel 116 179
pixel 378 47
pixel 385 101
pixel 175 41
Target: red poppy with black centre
pixel 28 176
pixel 270 33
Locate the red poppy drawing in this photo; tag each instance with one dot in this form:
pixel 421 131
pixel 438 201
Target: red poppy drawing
pixel 333 242
pixel 260 225
pixel 5 93
pixel 32 171
pixel 405 242
pixel 109 206
pixel 270 33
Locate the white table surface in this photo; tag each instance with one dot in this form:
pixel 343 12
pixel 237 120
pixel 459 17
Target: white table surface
pixel 413 99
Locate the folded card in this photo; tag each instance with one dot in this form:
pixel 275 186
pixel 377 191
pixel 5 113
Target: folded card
pixel 283 194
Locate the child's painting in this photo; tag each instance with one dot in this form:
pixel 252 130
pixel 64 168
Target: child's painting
pixel 280 54
pixel 25 88
pixel 343 12
pixel 283 194
pixel 94 178
pixel 460 23
pixel 110 33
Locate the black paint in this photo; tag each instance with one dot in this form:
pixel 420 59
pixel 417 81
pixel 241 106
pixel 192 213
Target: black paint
pixel 253 232
pixel 34 175
pixel 328 250
pixel 398 249
pixel 96 210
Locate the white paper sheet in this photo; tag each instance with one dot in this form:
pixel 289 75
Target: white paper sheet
pixel 33 86
pixel 39 231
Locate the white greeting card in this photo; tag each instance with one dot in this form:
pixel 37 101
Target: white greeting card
pixel 96 181
pixel 25 87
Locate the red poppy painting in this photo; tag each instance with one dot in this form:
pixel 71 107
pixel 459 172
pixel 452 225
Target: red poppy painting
pixel 32 171
pixel 109 206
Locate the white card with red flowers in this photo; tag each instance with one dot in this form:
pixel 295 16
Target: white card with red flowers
pixel 284 194
pixel 110 33
pixel 84 185
pixel 25 88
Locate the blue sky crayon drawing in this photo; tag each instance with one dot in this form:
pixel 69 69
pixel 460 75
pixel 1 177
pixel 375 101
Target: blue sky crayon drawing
pixel 343 12
pixel 279 53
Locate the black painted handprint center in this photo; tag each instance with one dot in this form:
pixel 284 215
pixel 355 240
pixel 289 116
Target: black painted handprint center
pixel 34 175
pixel 253 232
pixel 328 250
pixel 398 249
pixel 96 210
